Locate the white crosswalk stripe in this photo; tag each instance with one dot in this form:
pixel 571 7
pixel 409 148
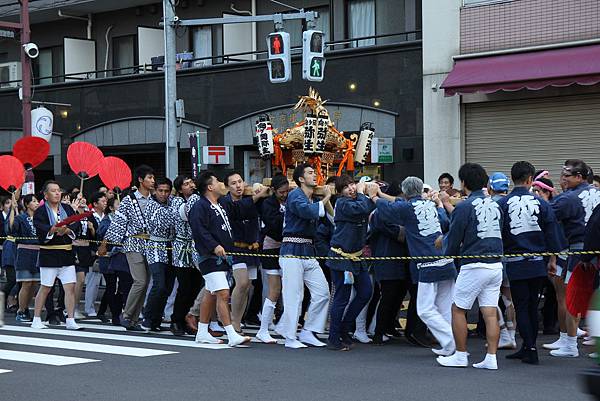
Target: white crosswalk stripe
pixel 116 337
pixel 5 371
pixel 44 359
pixel 82 346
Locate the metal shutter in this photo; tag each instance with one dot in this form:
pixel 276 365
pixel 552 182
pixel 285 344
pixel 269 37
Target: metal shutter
pixel 545 132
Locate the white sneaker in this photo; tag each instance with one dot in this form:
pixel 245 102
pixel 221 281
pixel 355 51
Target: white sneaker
pixel 294 344
pixel 307 337
pixel 593 355
pixel 581 333
pixel 566 352
pixel 556 344
pixel 265 337
pixel 236 340
pixel 215 326
pixel 206 338
pixel 93 314
pixel 489 363
pixel 71 325
pixel 78 315
pixel 590 341
pixel 506 341
pixel 362 337
pixel 453 361
pixel 444 351
pixel 38 325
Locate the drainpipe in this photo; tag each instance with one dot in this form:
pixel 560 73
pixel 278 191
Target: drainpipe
pixel 88 19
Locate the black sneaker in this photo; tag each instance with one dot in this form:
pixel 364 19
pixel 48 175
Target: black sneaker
pixel 22 317
pixel 102 318
pixel 531 357
pixel 337 346
pixel 177 330
pixel 517 355
pixel 347 340
pixel 136 327
pixel 54 320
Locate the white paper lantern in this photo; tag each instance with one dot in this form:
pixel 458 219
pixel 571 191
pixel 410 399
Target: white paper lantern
pixel 363 146
pixel 42 122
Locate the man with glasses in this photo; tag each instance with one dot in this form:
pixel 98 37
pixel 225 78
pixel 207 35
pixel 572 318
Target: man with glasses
pixel 573 208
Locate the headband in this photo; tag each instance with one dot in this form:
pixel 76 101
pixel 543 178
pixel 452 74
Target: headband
pixel 543 174
pixel 543 186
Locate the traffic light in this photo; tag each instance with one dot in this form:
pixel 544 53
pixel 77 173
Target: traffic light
pixel 313 61
pixel 279 63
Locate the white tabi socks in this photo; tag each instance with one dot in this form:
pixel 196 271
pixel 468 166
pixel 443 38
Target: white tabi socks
pixel 233 338
pixel 268 311
pixel 488 363
pixel 204 337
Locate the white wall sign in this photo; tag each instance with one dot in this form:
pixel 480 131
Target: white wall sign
pixel 215 154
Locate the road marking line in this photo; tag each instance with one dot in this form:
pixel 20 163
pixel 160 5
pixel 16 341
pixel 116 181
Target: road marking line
pixel 83 346
pixel 116 337
pixel 44 359
pixel 5 371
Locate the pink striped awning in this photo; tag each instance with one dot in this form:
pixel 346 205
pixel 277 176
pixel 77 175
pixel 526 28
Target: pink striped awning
pixel 532 70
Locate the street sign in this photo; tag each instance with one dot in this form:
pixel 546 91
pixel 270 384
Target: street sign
pixel 382 150
pixel 279 63
pixel 7 34
pixel 215 154
pixel 313 60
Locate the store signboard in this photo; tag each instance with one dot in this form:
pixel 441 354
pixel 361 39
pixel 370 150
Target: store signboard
pixel 382 150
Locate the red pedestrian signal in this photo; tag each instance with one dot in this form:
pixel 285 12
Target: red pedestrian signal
pixel 279 62
pixel 277 46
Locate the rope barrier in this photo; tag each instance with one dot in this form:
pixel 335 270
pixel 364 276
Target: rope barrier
pixel 361 258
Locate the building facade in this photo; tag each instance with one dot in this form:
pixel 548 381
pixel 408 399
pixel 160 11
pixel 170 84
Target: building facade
pixel 100 64
pixel 510 80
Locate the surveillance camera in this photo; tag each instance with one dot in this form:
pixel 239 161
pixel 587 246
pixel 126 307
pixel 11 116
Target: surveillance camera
pixel 31 50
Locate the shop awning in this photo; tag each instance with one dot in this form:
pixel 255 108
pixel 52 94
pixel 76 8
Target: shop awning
pixel 532 70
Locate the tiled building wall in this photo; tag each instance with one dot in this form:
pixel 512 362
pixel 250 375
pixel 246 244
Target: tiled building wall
pixel 521 23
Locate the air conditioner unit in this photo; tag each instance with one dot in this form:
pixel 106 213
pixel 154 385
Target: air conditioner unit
pixel 10 74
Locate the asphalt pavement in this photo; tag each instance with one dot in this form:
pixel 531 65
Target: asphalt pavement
pixel 107 363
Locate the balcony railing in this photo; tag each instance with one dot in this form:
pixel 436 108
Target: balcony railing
pixel 205 62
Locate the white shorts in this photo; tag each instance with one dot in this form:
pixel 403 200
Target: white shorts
pixel 481 283
pixel 252 270
pixel 65 274
pixel 272 272
pixel 216 281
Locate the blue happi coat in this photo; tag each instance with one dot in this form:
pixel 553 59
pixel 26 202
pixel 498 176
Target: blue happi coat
pixel 475 229
pixel 350 234
pixel 529 226
pixel 161 227
pixel 423 224
pixel 573 208
pixel 384 240
pixel 211 226
pixel 245 231
pixel 301 219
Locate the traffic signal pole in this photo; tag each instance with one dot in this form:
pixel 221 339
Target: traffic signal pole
pixel 170 24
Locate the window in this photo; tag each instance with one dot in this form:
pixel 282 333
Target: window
pixel 202 40
pixel 48 66
pixel 361 21
pixel 382 17
pixel 124 54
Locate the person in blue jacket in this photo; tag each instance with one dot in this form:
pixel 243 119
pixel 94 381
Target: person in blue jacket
pixel 26 260
pixel 210 220
pixel 530 226
pixel 300 224
pixel 475 229
pixel 351 216
pixel 424 221
pixel 573 209
pixel 246 235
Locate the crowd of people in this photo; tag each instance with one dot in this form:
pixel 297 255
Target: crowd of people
pixel 212 260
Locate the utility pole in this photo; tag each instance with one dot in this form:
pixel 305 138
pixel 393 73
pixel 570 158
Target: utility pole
pixel 171 149
pixel 25 32
pixel 26 68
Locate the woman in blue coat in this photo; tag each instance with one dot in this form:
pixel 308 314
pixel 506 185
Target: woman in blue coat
pixel 351 216
pixel 26 259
